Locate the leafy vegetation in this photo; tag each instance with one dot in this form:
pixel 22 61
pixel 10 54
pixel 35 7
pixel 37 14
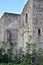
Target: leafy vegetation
pixel 21 58
pixel 23 63
pixel 5 52
pixel 30 51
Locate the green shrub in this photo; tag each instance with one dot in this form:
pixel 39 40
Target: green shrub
pixel 23 63
pixel 30 53
pixel 19 56
pixel 8 64
pixel 41 63
pixel 5 52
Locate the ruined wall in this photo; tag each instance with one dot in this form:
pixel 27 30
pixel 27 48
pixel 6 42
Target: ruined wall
pixel 10 23
pixel 38 22
pixel 7 18
pixel 34 10
pixel 1 29
pixel 26 26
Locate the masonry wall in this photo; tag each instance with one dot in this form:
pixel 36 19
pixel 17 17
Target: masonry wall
pixel 9 19
pixel 12 20
pixel 38 22
pixel 2 29
pixel 26 26
pixel 34 10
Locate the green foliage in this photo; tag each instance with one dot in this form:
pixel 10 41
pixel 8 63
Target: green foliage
pixel 19 56
pixel 5 52
pixel 23 63
pixel 41 63
pixel 30 51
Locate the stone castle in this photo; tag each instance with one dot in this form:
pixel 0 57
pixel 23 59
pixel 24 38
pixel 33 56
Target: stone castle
pixel 16 27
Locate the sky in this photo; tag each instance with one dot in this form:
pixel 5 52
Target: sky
pixel 11 6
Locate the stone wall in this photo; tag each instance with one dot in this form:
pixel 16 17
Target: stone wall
pixel 10 24
pixel 34 10
pixel 38 22
pixel 26 26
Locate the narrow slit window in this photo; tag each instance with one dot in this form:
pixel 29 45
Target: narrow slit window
pixel 39 32
pixel 26 17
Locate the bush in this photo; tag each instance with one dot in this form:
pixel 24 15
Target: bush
pixel 23 63
pixel 19 56
pixel 8 64
pixel 41 63
pixel 5 52
pixel 30 51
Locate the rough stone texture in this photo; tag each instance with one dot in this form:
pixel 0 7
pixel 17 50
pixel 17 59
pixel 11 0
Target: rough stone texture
pixel 10 24
pixel 27 27
pixel 38 22
pixel 20 29
pixel 34 9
